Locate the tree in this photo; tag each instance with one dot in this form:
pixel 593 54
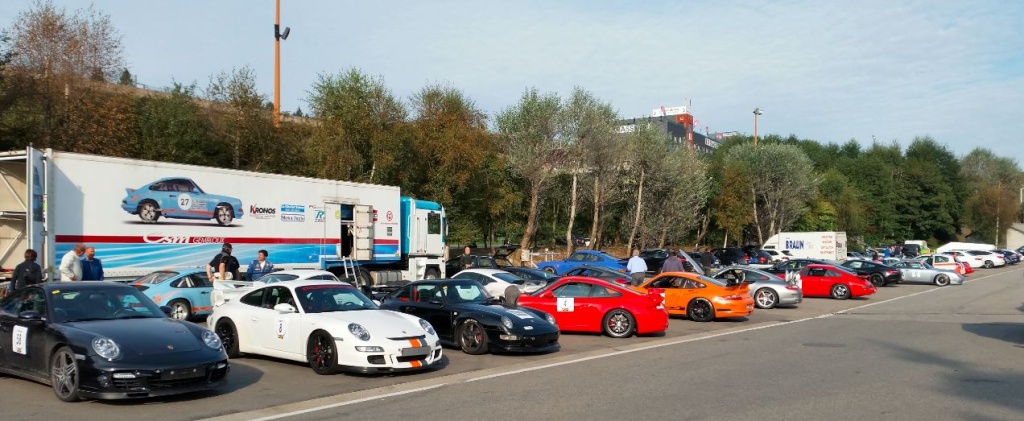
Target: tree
pixel 781 179
pixel 528 131
pixel 584 124
pixel 991 181
pixel 360 128
pixel 241 119
pixel 82 43
pixel 450 144
pixel 174 128
pixel 731 209
pixel 126 78
pixel 648 154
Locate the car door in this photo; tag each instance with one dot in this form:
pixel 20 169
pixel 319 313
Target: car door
pixel 200 293
pixel 9 307
pixel 814 281
pixel 252 315
pixel 602 299
pixel 573 308
pixel 281 331
pixel 426 301
pixel 25 341
pixel 671 287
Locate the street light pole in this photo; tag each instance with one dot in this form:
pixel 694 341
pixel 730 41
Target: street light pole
pixel 278 36
pixel 757 112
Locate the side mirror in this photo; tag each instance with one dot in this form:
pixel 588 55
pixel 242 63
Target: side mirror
pixel 30 316
pixel 167 310
pixel 284 308
pixel 437 301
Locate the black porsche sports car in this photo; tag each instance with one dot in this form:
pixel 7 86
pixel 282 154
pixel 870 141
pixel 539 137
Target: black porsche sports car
pixel 104 340
pixel 465 317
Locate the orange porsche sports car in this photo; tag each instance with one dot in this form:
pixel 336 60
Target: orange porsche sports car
pixel 700 298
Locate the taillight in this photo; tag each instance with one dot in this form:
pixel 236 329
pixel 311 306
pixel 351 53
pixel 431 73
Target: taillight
pixel 892 272
pixel 732 297
pixel 792 287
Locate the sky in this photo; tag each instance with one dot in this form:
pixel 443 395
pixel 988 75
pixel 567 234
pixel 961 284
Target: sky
pixel 826 70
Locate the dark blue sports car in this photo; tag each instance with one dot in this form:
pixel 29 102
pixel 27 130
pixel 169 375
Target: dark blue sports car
pixel 104 340
pixel 583 257
pixel 181 198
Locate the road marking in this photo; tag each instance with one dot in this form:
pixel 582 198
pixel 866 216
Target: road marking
pixel 330 402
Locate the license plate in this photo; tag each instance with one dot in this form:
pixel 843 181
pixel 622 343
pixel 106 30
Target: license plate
pixel 421 350
pixel 183 373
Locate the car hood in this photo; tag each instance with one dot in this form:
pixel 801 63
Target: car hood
pixel 386 323
pixel 141 337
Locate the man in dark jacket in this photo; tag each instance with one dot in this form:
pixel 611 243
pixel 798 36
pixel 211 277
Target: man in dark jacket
pixel 224 266
pixel 27 273
pixel 92 268
pixel 673 264
pixel 707 259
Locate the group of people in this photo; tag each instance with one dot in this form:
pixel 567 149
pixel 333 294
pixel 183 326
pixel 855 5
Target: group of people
pixel 637 266
pixel 224 266
pixel 79 264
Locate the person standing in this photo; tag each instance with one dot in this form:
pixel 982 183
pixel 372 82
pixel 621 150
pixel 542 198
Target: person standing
pixel 707 260
pixel 92 268
pixel 224 266
pixel 71 264
pixel 637 268
pixel 26 273
pixel 672 264
pixel 466 260
pixel 259 267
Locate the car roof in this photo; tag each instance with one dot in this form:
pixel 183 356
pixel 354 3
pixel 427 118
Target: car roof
pixel 296 283
pixel 82 286
pixel 301 272
pixel 483 271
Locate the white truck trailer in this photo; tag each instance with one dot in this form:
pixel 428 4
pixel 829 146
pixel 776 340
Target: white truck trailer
pixel 143 216
pixel 823 245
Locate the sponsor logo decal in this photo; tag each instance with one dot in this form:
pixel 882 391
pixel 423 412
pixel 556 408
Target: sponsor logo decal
pixel 262 212
pixel 390 216
pixel 291 217
pixel 286 208
pixel 180 239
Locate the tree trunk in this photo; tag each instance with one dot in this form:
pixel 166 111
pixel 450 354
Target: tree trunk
pixel 664 234
pixel 639 208
pixel 703 230
pixel 757 220
pixel 597 212
pixel 531 219
pixel 570 244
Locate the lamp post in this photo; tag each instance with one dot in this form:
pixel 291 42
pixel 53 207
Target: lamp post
pixel 278 36
pixel 757 112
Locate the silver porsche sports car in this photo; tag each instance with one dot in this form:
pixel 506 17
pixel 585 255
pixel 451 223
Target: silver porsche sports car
pixel 915 271
pixel 766 289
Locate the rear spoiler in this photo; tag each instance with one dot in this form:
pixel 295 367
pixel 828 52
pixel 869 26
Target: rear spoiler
pixel 224 291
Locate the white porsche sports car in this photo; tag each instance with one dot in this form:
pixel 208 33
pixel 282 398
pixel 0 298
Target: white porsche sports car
pixel 330 325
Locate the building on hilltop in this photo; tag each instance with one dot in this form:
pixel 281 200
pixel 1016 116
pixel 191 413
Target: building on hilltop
pixel 678 125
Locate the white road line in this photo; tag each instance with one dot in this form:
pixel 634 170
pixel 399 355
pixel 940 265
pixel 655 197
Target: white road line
pixel 638 348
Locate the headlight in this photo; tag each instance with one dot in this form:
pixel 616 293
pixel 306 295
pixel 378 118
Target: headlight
pixel 507 322
pixel 551 319
pixel 212 340
pixel 106 348
pixel 359 331
pixel 427 327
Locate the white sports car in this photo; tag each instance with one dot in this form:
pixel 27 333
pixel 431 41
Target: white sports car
pixel 330 325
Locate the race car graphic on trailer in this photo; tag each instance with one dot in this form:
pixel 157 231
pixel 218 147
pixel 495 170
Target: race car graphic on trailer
pixel 180 198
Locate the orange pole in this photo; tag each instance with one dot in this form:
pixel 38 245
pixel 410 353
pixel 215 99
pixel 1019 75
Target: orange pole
pixel 277 65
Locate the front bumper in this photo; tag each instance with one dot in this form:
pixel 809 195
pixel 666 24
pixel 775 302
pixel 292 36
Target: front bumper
pixel 113 380
pixel 399 354
pixel 524 341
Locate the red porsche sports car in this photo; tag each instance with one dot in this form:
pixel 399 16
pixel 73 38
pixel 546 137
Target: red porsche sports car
pixel 819 280
pixel 582 304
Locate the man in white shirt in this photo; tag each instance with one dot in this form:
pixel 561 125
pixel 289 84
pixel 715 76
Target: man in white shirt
pixel 637 268
pixel 71 264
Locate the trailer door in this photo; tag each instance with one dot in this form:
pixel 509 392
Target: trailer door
pixel 363 227
pixel 333 236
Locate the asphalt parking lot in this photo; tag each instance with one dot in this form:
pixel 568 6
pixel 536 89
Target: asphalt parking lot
pixel 279 386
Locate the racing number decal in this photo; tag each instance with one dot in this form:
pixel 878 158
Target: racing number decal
pixel 915 273
pixel 185 201
pixel 20 340
pixel 566 304
pixel 281 327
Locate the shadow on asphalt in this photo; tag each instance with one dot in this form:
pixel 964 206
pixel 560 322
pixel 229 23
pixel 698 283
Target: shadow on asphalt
pixel 962 380
pixel 437 366
pixel 240 377
pixel 1008 332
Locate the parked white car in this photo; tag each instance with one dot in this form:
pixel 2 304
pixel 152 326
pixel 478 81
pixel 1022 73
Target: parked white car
pixel 495 281
pixel 328 324
pixel 224 291
pixel 985 259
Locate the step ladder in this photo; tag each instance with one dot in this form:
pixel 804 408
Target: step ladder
pixel 348 267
